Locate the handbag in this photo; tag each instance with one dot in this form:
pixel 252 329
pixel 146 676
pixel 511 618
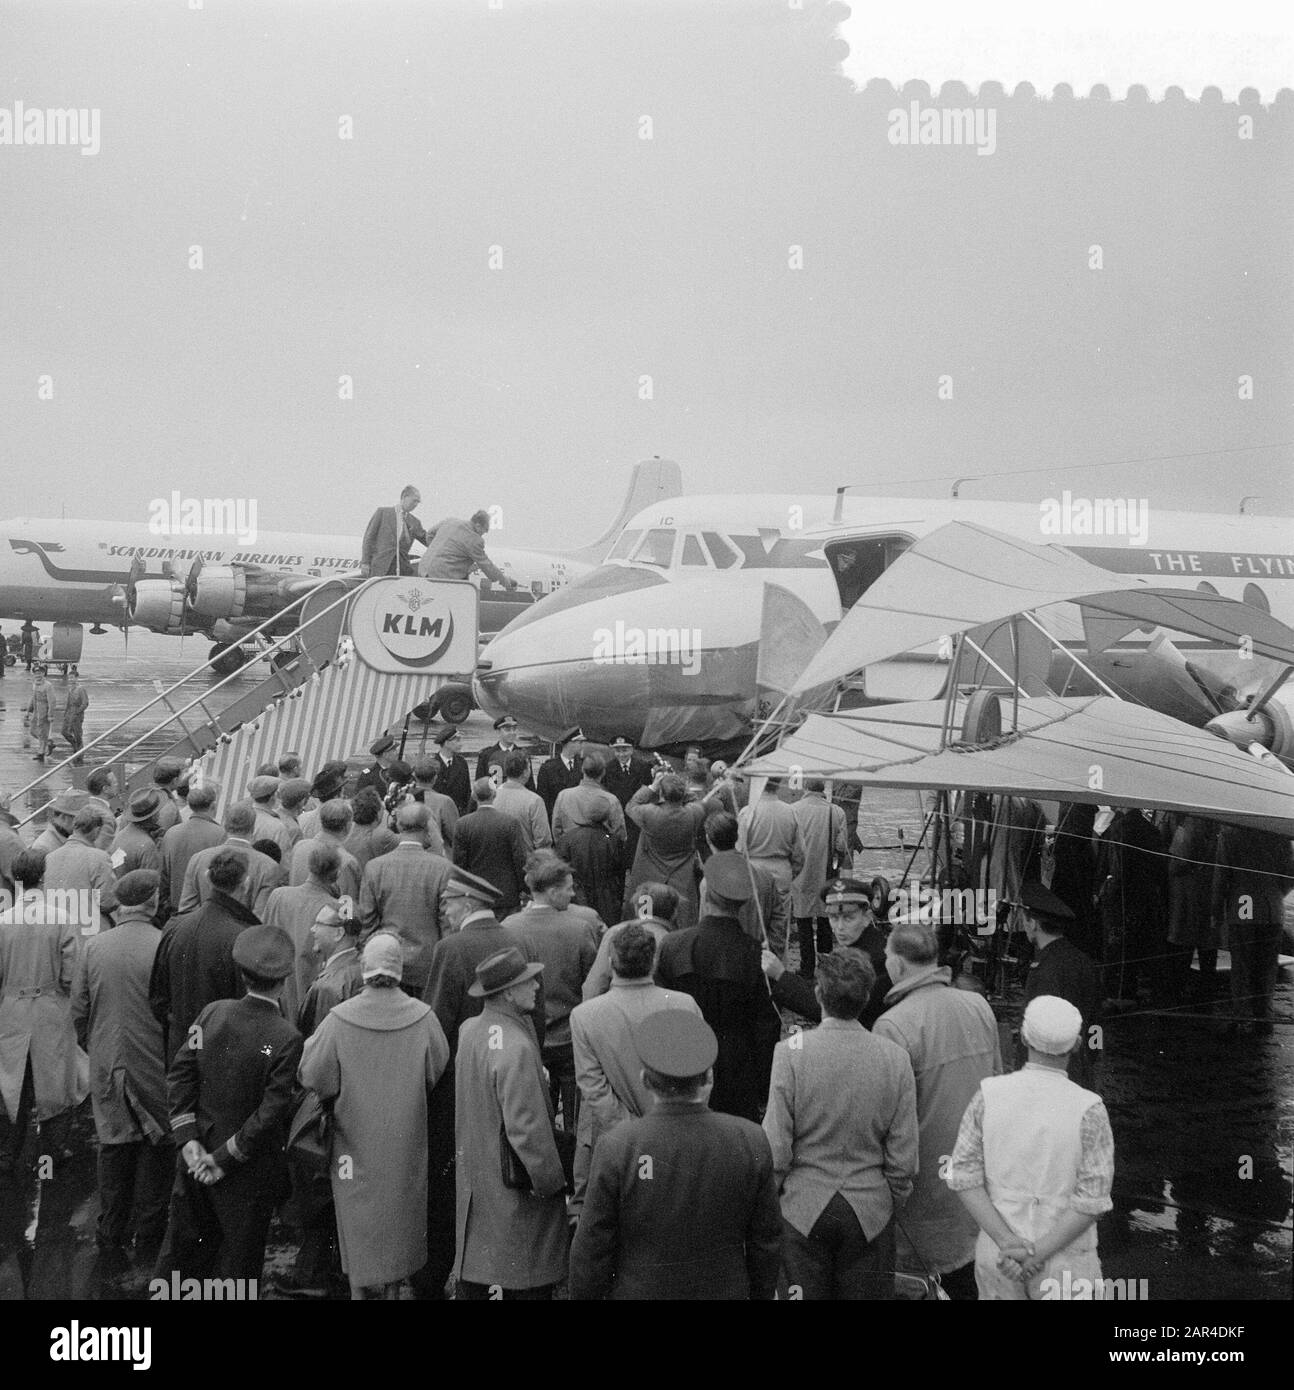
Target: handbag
pixel 918 1288
pixel 309 1155
pixel 515 1175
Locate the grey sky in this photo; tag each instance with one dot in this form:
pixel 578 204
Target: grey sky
pixel 622 257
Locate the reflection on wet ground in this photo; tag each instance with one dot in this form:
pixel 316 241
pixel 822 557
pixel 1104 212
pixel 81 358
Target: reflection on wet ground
pixel 1202 1124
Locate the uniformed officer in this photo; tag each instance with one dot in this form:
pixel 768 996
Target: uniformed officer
pixel 850 911
pixel 562 770
pixel 1059 968
pixel 453 776
pixel 489 762
pixel 230 1096
pixel 682 1202
pixel 375 774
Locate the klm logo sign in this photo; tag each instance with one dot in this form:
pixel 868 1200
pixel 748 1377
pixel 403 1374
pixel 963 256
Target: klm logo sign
pixel 406 625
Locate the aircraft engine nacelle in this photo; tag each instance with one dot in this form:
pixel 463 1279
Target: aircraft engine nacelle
pixel 219 591
pixel 1272 726
pixel 158 604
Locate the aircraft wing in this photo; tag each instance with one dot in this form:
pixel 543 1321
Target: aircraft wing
pixel 1146 759
pixel 962 576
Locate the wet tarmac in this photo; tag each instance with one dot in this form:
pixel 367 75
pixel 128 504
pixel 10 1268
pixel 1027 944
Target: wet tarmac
pixel 1203 1125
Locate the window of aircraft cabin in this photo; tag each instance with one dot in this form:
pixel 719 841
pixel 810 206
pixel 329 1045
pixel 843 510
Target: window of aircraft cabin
pixel 623 548
pixel 692 552
pixel 724 555
pixel 657 548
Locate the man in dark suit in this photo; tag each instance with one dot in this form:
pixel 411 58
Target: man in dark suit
pixel 626 773
pixel 453 777
pixel 389 534
pixel 562 770
pixel 230 1091
pixel 195 965
pixel 718 964
pixel 681 1203
pixel 1059 968
pixel 489 762
pixel 492 846
pixel 376 774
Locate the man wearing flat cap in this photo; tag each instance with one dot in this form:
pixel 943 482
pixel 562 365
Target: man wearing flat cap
pixel 1060 968
pixel 127 1073
pixel 511 1211
pixel 384 752
pixel 473 935
pixel 1034 1164
pixel 718 964
pixel 230 1090
pixel 490 761
pixel 681 1203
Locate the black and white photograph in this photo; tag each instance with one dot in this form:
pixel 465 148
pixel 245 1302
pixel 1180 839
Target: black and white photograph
pixel 646 653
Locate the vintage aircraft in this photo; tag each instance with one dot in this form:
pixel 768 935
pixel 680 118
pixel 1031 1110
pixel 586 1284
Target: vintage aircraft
pixel 123 573
pixel 663 641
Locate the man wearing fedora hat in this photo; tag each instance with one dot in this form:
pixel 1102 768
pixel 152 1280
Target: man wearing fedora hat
pixel 511 1210
pixel 230 1091
pixel 138 832
pixel 718 964
pixel 328 785
pixel 61 812
pixel 682 1202
pixel 473 935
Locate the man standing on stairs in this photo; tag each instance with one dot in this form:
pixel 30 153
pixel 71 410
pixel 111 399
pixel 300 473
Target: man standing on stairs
pixel 390 532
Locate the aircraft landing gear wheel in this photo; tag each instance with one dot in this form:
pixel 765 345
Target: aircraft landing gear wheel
pixel 281 659
pixel 455 706
pixel 226 658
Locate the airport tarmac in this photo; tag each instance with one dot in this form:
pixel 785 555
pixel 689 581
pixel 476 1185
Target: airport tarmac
pixel 1203 1126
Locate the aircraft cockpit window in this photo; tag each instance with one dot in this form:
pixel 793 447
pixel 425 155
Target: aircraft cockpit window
pixel 724 555
pixel 623 548
pixel 657 548
pixel 692 552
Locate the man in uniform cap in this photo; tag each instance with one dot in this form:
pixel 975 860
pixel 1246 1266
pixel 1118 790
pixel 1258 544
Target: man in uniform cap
pixel 562 770
pixel 718 964
pixel 682 1203
pixel 384 751
pixel 511 1226
pixel 230 1090
pixel 489 762
pixel 474 935
pixel 1060 968
pixel 626 774
pixel 1034 1164
pixel 127 1072
pixel 453 776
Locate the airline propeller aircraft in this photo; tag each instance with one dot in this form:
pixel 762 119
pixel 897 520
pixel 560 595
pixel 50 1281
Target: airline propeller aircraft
pixel 123 573
pixel 662 642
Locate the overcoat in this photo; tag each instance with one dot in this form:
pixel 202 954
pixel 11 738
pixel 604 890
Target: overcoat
pixel 667 851
pixel 123 1038
pixel 37 961
pixel 514 1239
pixel 377 1056
pixel 294 911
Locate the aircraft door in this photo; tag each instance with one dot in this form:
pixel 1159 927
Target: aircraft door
pixel 857 562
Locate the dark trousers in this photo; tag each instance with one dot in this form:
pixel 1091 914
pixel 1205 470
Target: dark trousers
pixel 1254 948
pixel 815 939
pixel 836 1260
pixel 1179 972
pixel 481 1293
pixel 959 1284
pixel 13 1133
pixel 218 1231
pixel 560 1061
pixel 134 1177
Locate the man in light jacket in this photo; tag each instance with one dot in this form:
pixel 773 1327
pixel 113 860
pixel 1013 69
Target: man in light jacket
pixel 951 1037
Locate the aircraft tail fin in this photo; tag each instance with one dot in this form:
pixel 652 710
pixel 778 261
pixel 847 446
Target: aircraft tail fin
pixel 653 480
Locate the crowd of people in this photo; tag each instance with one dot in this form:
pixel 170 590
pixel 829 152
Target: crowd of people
pixel 485 1031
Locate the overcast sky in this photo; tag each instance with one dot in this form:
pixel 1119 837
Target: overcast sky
pixel 623 258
